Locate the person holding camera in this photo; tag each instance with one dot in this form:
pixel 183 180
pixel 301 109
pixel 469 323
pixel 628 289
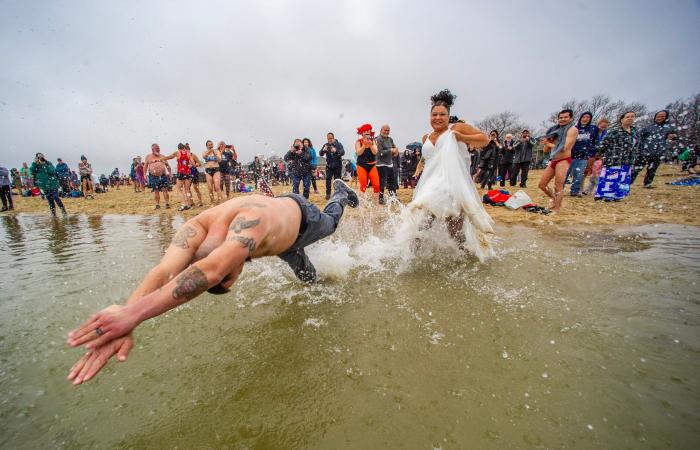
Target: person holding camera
pixel 653 140
pixel 366 150
pixel 299 160
pixel 333 151
pixel 44 175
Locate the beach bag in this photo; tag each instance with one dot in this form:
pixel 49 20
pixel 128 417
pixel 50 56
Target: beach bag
pixel 518 200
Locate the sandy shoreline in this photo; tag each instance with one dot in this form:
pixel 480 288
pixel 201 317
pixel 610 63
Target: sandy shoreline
pixel 663 204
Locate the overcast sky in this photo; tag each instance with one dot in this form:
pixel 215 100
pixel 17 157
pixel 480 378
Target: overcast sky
pixel 108 78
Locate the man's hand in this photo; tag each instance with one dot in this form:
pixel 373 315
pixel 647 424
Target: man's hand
pixel 93 361
pixel 110 323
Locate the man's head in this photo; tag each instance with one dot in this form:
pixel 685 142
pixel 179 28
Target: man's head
pixel 509 137
pixel 661 117
pixel 525 134
pixel 155 148
pixel 564 117
pixel 59 160
pixel 39 157
pixel 384 131
pixel 585 118
pixel 493 135
pixel 330 137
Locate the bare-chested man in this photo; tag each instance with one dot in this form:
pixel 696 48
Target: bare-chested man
pixel 156 169
pixel 558 143
pixel 208 253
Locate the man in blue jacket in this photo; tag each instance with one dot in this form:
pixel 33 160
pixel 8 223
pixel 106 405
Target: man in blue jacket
pixel 63 173
pixel 585 142
pixel 654 140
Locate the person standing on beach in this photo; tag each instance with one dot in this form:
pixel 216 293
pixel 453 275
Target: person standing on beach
pixel 653 142
pixel 44 175
pixel 195 174
pixel 184 175
pixel 333 151
pixel 26 177
pixel 228 159
pixel 208 254
pixel 86 183
pixel 212 171
pixel 617 150
pixel 386 150
pixel 586 140
pixel 157 178
pixel 489 160
pixel 505 160
pixel 63 173
pixel 366 151
pixel 314 161
pixel 560 139
pixel 522 157
pixel 6 190
pixel 299 160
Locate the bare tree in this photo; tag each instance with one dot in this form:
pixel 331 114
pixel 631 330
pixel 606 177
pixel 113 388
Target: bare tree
pixel 504 122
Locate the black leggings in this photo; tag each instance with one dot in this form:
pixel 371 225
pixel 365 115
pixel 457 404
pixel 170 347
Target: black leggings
pixel 6 196
pixel 386 181
pixel 54 199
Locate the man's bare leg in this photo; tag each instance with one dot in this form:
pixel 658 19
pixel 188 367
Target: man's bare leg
pixel 544 182
pixel 559 176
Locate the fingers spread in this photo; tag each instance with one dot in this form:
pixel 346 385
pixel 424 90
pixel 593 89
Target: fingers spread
pixel 77 366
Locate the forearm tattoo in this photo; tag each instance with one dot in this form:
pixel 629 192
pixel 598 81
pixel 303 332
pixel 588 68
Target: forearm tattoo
pixel 190 283
pixel 246 241
pixel 240 224
pixel 183 234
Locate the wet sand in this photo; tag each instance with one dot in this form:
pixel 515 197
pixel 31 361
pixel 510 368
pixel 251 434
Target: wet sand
pixel 663 204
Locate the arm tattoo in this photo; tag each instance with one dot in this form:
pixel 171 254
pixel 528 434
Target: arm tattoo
pixel 246 241
pixel 240 224
pixel 253 205
pixel 183 234
pixel 190 283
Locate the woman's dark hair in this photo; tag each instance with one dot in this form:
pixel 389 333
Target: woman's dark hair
pixel 307 139
pixel 443 98
pixel 494 131
pixel 622 116
pixel 207 143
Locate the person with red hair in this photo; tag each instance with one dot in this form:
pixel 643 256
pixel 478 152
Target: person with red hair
pixel 366 150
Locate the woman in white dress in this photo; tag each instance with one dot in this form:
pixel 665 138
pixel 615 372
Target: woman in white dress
pixel 445 190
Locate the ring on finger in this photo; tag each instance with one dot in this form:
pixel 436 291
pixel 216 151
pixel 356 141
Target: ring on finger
pixel 99 332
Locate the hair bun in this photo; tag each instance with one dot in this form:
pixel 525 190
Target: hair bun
pixel 444 97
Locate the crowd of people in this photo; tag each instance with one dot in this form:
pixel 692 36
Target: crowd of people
pixel 611 157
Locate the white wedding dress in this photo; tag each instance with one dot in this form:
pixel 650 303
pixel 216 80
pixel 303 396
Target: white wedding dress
pixel 446 189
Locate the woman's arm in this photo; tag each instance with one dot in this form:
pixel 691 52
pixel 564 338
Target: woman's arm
pixel 358 147
pixel 470 135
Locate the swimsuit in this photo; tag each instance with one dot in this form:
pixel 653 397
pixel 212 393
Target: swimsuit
pixel 553 163
pixel 211 170
pixel 366 169
pixel 183 166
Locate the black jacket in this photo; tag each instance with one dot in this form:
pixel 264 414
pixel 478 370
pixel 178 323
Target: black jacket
pixel 299 163
pixel 489 156
pixel 523 151
pixel 333 160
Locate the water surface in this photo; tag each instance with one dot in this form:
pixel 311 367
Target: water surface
pixel 567 339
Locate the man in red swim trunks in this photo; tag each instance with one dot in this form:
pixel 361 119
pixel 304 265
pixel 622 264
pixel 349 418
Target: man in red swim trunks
pixel 558 142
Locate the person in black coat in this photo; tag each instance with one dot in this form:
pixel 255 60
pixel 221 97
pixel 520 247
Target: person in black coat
pixel 489 160
pixel 522 157
pixel 299 160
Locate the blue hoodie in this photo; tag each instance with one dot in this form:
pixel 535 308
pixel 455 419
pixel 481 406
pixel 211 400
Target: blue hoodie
pixel 585 145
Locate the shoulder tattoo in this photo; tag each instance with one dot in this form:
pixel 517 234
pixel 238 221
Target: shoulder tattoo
pixel 190 283
pixel 240 223
pixel 183 234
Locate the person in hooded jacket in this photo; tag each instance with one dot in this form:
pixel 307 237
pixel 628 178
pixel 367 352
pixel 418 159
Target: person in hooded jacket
pixel 617 150
pixel 44 175
pixel 489 160
pixel 653 142
pixel 299 160
pixel 505 159
pixel 585 143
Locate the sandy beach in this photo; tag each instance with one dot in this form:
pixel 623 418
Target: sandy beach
pixel 663 204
